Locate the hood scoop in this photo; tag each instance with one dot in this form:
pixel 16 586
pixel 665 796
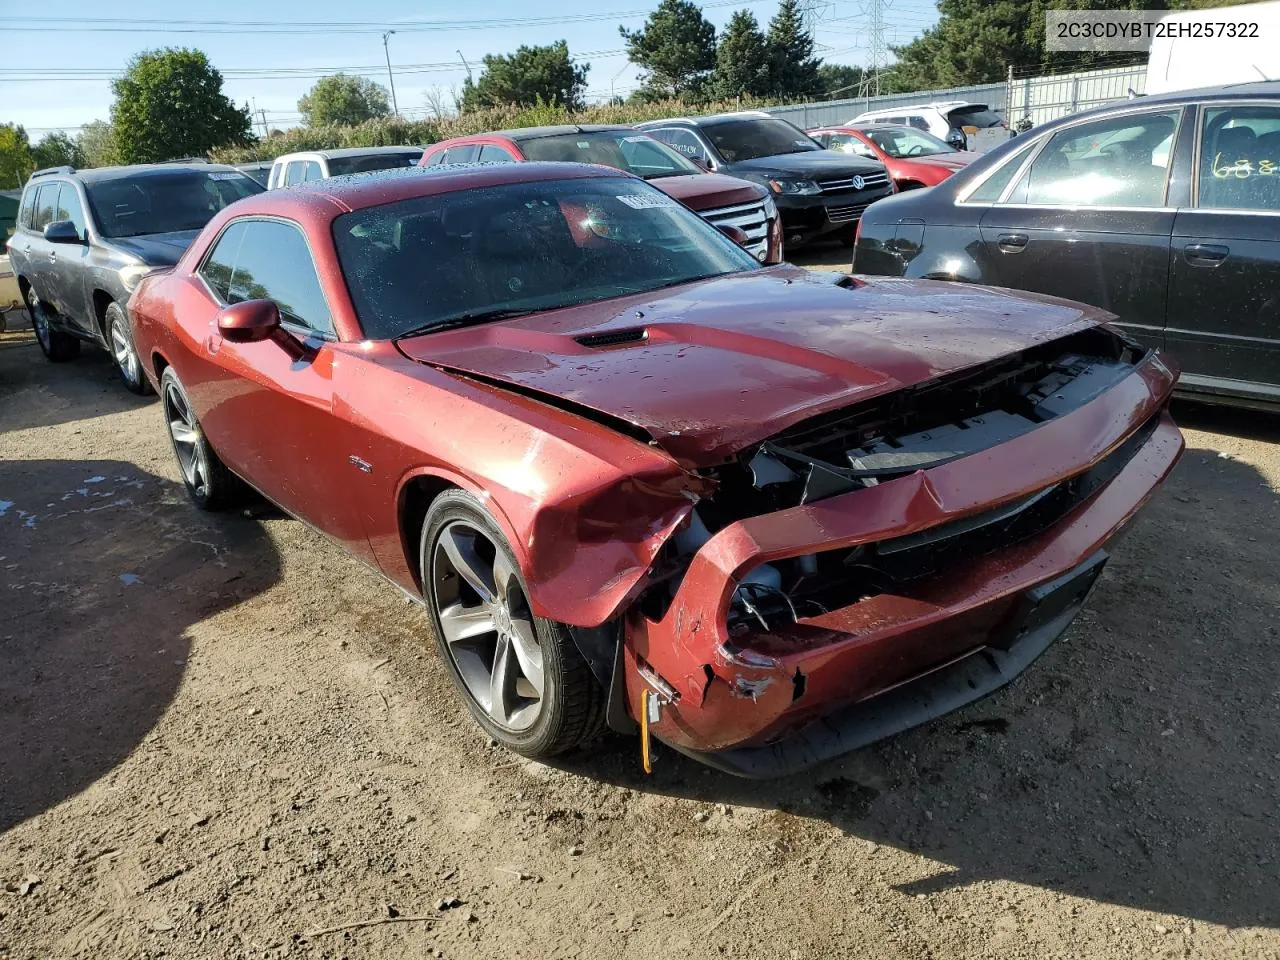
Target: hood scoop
pixel 613 338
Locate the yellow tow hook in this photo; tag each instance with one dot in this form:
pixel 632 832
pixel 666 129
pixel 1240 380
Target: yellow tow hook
pixel 650 712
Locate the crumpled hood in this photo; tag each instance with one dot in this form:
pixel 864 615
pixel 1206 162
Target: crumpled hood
pixel 709 368
pixel 157 249
pixel 707 191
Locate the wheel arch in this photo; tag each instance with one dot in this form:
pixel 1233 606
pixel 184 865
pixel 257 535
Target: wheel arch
pixel 102 300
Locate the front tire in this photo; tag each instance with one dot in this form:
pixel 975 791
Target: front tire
pixel 120 342
pixel 57 347
pixel 521 676
pixel 209 484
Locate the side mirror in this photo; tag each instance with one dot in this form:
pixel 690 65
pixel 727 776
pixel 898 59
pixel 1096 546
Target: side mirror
pixel 252 321
pixel 62 231
pixel 249 321
pixel 701 162
pixel 736 234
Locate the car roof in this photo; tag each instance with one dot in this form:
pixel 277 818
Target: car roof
pixel 362 190
pixel 709 120
pixel 537 133
pixel 100 174
pixel 343 152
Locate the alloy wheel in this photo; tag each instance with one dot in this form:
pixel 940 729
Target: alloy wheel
pixel 488 627
pixel 125 356
pixel 185 432
pixel 40 323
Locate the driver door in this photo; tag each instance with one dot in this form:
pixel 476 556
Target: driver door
pixel 270 416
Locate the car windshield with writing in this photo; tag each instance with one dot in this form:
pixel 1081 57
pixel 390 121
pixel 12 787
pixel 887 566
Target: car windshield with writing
pixel 903 143
pixel 738 140
pixel 635 153
pixel 343 166
pixel 164 202
pixel 472 256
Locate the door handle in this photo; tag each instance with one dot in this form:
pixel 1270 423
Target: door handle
pixel 1205 254
pixel 1011 242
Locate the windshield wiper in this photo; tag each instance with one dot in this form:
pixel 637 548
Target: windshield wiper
pixel 467 320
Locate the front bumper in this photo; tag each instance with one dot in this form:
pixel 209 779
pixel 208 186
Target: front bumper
pixel 757 705
pixel 806 218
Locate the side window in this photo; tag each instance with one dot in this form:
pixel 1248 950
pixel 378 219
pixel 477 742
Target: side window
pixel 466 153
pixel 311 171
pixel 274 263
pixel 221 261
pixel 681 141
pixel 492 154
pixel 46 205
pixel 293 172
pixel 69 207
pixel 27 208
pixel 1116 162
pixel 1240 158
pixel 436 158
pixel 823 138
pixel 920 123
pixel 991 188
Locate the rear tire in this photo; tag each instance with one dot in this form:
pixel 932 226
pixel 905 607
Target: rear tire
pixel 522 677
pixel 120 343
pixel 57 347
pixel 209 484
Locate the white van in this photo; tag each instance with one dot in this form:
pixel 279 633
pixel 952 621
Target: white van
pixel 294 168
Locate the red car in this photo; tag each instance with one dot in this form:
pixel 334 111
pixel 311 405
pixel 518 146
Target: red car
pixel 725 201
pixel 772 515
pixel 914 158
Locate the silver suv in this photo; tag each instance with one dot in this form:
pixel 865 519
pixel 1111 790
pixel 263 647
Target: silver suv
pixel 85 239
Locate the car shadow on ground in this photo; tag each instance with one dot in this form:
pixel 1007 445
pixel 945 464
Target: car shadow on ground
pixel 61 392
pixel 103 567
pixel 1134 763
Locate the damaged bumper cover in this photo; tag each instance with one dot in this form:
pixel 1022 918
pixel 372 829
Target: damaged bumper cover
pixel 768 702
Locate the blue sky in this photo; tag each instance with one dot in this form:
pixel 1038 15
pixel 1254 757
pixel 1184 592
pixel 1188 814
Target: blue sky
pixel 425 49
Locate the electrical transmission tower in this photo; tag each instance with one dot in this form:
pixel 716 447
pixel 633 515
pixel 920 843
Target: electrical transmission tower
pixel 877 46
pixel 812 11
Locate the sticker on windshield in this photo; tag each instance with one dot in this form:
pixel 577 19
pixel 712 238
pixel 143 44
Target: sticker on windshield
pixel 225 176
pixel 638 202
pixel 584 144
pixel 640 139
pixel 800 143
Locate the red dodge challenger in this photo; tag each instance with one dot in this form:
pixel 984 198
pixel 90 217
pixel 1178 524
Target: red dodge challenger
pixel 763 515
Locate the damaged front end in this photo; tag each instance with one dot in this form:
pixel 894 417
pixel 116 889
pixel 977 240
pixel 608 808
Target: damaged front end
pixel 861 551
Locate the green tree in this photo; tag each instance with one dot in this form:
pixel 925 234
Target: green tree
pixel 57 150
pixel 343 101
pixel 97 143
pixel 793 69
pixel 169 104
pixel 839 80
pixel 16 163
pixel 742 59
pixel 676 49
pixel 530 76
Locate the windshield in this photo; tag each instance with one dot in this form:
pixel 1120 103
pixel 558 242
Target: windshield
pixel 738 140
pixel 474 255
pixel 976 115
pixel 908 142
pixel 165 202
pixel 342 166
pixel 633 152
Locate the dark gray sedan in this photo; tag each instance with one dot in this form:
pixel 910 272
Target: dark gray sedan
pixel 1164 210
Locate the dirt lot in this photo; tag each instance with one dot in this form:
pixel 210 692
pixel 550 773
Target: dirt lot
pixel 219 737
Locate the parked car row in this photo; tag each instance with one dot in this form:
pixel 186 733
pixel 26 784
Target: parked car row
pixel 637 477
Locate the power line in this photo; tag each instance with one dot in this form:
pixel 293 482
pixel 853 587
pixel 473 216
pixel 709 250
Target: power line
pixel 158 25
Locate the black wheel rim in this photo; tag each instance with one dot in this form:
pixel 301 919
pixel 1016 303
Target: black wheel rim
pixel 40 323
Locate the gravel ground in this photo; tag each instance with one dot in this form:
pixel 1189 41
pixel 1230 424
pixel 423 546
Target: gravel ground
pixel 220 737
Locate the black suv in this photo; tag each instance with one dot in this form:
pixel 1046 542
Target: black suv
pixel 1164 210
pixel 818 192
pixel 85 239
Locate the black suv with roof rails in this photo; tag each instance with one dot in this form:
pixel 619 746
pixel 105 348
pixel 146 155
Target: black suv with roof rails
pixel 818 192
pixel 1164 210
pixel 86 238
